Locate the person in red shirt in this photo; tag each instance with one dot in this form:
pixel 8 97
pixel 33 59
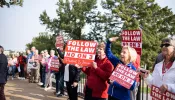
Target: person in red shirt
pixel 97 76
pixel 21 63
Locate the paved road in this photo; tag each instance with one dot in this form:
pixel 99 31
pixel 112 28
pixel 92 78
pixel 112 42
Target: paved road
pixel 22 90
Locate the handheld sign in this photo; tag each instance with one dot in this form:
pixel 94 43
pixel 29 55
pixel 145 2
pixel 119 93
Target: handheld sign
pixel 37 58
pixel 60 42
pixel 124 76
pixel 55 65
pixel 132 38
pixel 157 95
pixel 80 52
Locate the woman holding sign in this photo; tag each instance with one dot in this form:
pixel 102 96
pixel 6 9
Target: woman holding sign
pixel 128 56
pixel 97 76
pixel 163 75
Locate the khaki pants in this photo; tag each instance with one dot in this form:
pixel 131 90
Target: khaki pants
pixel 48 81
pixel 38 73
pixel 33 76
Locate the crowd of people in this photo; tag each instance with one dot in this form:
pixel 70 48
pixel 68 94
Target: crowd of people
pixel 37 69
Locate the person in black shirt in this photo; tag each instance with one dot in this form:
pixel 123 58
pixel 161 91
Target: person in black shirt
pixel 3 72
pixel 71 77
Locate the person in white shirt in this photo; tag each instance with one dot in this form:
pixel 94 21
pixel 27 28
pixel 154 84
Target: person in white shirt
pixel 163 75
pixel 12 67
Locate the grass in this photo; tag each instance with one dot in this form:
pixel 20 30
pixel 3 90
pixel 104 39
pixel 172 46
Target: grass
pixel 145 90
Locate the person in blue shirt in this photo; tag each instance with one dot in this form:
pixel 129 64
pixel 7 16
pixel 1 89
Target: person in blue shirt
pixel 128 56
pixel 29 55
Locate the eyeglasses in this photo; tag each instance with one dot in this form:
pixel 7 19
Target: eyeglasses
pixel 165 45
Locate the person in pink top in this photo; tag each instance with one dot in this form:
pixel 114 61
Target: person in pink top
pixel 48 81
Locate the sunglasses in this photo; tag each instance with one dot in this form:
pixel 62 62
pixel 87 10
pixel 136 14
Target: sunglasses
pixel 165 45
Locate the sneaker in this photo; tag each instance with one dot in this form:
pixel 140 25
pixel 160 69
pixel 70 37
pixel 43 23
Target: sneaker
pixel 49 88
pixel 40 83
pixel 19 77
pixel 60 95
pixel 45 89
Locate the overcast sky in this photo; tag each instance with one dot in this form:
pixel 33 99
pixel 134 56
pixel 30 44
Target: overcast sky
pixel 18 25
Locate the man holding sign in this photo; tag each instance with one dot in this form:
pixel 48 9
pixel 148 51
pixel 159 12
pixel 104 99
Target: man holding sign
pixel 122 79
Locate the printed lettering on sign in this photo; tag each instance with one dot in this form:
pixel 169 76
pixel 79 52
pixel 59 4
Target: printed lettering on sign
pixel 80 52
pixel 55 65
pixel 157 95
pixel 124 75
pixel 132 38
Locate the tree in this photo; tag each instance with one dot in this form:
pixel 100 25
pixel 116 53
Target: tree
pixel 155 22
pixel 42 42
pixel 102 25
pixel 71 17
pixel 12 2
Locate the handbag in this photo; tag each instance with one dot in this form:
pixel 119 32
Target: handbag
pixel 19 70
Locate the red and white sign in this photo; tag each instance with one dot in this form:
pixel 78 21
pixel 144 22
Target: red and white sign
pixel 124 75
pixel 132 38
pixel 80 52
pixel 37 58
pixel 60 42
pixel 157 95
pixel 55 65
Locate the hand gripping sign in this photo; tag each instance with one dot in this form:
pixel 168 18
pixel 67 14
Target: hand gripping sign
pixel 124 75
pixel 157 95
pixel 55 65
pixel 80 52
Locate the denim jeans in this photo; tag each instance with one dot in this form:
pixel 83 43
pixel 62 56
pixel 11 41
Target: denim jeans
pixel 59 77
pixel 12 70
pixel 43 74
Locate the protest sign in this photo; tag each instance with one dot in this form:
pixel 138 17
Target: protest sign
pixel 55 65
pixel 80 52
pixel 132 38
pixel 59 42
pixel 157 95
pixel 124 75
pixel 37 58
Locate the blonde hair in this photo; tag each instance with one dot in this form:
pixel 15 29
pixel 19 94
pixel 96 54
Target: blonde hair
pixel 132 53
pixel 101 45
pixel 36 51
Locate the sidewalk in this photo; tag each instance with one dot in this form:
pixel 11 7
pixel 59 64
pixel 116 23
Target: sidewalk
pixel 22 90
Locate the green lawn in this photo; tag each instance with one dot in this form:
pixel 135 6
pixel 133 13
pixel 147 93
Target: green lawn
pixel 145 91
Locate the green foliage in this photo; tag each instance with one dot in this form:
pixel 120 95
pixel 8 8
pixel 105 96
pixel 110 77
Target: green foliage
pixel 12 2
pixel 155 22
pixel 42 42
pixel 71 17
